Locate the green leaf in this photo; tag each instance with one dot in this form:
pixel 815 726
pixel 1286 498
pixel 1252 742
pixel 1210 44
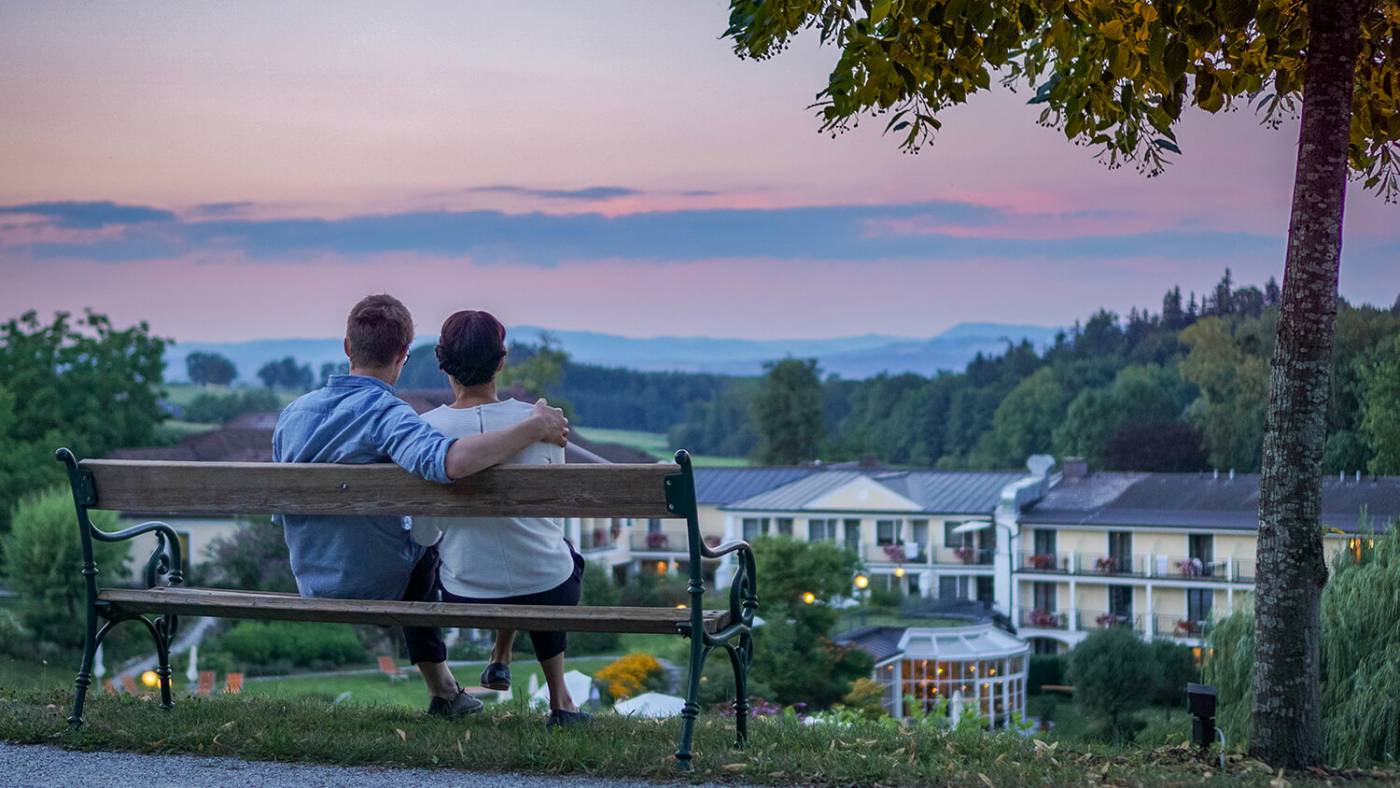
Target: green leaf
pixel 1174 60
pixel 880 9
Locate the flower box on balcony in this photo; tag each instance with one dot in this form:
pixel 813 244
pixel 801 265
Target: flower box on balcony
pixel 1042 561
pixel 1107 565
pixel 965 554
pixel 1107 620
pixel 895 553
pixel 1044 619
pixel 656 540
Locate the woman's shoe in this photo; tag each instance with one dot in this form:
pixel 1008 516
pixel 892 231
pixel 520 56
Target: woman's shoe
pixel 460 705
pixel 496 676
pixel 567 719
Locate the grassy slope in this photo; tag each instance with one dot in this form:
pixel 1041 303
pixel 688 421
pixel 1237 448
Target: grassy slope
pixel 655 444
pixel 376 690
pixel 513 739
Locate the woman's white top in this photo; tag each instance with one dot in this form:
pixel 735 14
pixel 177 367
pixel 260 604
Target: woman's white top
pixel 493 557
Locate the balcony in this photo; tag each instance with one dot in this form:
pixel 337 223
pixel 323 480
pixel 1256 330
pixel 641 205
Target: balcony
pixel 898 553
pixel 1165 567
pixel 1094 619
pixel 596 540
pixel 1034 618
pixel 664 541
pixel 1180 627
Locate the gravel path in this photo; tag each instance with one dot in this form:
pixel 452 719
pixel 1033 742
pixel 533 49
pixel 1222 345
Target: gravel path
pixel 38 766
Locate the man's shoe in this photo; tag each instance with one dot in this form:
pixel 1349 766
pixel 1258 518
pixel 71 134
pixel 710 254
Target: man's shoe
pixel 567 719
pixel 496 676
pixel 459 706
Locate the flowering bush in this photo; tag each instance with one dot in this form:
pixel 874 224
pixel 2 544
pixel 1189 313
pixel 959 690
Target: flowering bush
pixel 656 540
pixel 631 675
pixel 1190 567
pixel 965 554
pixel 1044 618
pixel 1042 561
pixel 895 552
pixel 1106 565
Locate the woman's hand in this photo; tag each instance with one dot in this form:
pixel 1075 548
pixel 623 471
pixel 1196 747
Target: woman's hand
pixel 550 423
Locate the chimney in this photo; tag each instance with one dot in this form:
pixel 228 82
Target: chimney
pixel 1073 468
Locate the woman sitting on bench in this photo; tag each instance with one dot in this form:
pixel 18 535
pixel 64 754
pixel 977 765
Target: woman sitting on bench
pixel 502 560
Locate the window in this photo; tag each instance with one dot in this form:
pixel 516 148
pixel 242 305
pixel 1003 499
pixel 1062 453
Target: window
pixel 1198 604
pixel 784 526
pixel 755 527
pixel 986 589
pixel 1120 603
pixel 653 526
pixel 852 535
pixel 821 530
pixel 952 587
pixel 1044 595
pixel 919 535
pixel 887 532
pixel 1202 550
pixel 1044 541
pixel 1120 550
pixel 951 539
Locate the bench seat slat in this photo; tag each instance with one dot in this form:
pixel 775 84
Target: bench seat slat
pixel 171 488
pixel 290 607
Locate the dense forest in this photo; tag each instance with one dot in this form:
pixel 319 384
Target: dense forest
pixel 1179 389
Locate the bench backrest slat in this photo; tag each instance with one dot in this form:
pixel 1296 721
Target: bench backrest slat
pixel 176 488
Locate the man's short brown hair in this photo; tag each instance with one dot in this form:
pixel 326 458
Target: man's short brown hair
pixel 379 329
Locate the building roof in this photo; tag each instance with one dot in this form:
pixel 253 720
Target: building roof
pixel 879 642
pixel 222 445
pixel 723 486
pixel 977 641
pixel 1188 500
pixel 973 492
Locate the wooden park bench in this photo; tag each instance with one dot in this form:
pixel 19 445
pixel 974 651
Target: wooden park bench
pixel 661 490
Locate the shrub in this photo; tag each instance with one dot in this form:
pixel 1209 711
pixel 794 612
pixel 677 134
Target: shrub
pixel 1174 666
pixel 1045 669
pixel 276 644
pixel 253 558
pixel 866 698
pixel 1360 658
pixel 222 409
pixel 43 555
pixel 598 590
pixel 630 676
pixel 1110 670
pixel 649 588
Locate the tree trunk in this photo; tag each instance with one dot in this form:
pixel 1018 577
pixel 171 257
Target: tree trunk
pixel 1291 566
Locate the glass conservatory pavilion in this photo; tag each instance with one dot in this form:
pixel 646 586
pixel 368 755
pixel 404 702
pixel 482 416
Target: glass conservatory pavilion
pixel 978 667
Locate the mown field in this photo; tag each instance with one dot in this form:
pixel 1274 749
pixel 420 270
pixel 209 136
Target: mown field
pixel 655 444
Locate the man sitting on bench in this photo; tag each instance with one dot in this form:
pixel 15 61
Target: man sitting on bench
pixel 357 419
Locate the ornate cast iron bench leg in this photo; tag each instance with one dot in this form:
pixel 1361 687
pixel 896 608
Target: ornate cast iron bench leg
pixel 743 603
pixel 164 560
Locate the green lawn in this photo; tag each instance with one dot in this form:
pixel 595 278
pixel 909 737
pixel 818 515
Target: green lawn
pixel 18 674
pixel 510 738
pixel 375 689
pixel 655 444
pixel 184 393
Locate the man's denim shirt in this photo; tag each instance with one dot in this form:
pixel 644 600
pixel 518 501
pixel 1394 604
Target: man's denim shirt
pixel 355 419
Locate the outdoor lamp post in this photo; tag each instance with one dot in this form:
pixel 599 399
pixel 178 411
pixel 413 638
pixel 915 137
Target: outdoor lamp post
pixel 808 597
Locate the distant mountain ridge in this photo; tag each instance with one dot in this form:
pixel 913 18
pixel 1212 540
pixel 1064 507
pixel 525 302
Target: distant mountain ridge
pixel 860 356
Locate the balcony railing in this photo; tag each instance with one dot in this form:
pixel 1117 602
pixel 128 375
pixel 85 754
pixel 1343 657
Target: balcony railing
pixel 1180 627
pixel 898 553
pixel 1094 619
pixel 596 539
pixel 658 542
pixel 1166 567
pixel 1034 618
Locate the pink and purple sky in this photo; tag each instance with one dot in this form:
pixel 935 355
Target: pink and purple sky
pixel 237 171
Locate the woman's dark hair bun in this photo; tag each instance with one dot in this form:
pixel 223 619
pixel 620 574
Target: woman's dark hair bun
pixel 471 346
